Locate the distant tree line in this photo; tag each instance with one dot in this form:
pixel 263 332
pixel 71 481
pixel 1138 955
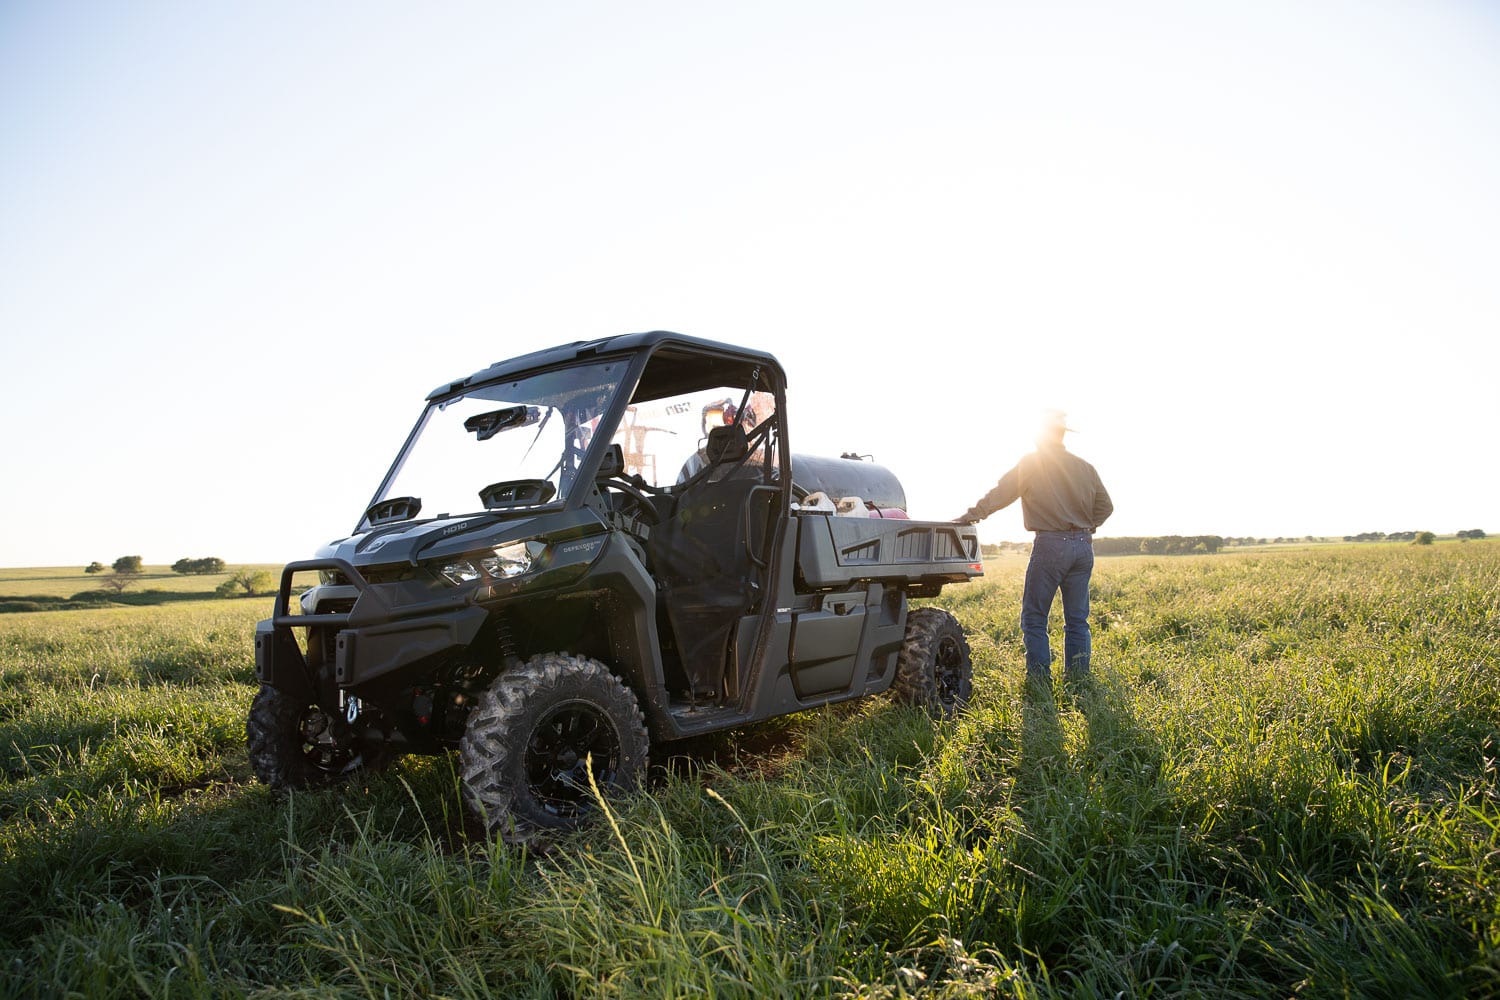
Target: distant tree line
pixel 1158 545
pixel 1420 537
pixel 127 569
pixel 1162 545
pixel 1471 533
pixel 996 548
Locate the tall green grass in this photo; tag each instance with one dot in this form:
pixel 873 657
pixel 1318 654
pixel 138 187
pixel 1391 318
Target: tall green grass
pixel 1280 782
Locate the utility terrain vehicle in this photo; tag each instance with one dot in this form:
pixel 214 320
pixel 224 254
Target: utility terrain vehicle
pixel 589 550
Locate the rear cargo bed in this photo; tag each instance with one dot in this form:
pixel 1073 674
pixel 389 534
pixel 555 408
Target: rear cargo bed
pixel 839 551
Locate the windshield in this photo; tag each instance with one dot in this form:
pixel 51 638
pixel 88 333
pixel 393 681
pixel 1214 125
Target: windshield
pixel 507 444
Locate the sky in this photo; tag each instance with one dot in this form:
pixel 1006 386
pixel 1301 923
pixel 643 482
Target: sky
pixel 1253 250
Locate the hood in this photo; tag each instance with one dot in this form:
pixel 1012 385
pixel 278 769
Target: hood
pixel 421 541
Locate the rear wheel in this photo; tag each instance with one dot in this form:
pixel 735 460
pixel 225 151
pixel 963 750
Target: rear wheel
pixel 538 734
pixel 295 744
pixel 935 670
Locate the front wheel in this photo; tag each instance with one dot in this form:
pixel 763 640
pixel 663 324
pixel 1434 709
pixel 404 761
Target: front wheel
pixel 935 670
pixel 295 744
pixel 538 734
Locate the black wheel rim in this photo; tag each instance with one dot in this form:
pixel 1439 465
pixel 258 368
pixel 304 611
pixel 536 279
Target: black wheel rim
pixel 948 674
pixel 320 750
pixel 567 740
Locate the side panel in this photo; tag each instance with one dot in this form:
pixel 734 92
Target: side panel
pixel 822 647
pixel 825 644
pixel 846 644
pixel 882 640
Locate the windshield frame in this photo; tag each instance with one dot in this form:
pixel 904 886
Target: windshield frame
pixel 569 478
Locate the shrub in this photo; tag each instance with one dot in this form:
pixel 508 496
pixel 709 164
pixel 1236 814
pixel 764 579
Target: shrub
pixel 199 567
pixel 248 582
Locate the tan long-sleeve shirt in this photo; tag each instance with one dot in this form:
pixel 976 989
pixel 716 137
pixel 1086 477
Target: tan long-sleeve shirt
pixel 1058 492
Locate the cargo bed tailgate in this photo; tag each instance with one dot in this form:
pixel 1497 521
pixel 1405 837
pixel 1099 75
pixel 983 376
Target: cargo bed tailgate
pixel 838 551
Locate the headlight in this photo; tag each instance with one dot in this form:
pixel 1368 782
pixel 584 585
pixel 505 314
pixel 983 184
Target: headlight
pixel 503 563
pixel 331 576
pixel 508 561
pixel 460 573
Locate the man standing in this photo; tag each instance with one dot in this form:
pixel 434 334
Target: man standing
pixel 1063 501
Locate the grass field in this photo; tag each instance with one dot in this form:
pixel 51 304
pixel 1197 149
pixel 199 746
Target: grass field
pixel 1282 783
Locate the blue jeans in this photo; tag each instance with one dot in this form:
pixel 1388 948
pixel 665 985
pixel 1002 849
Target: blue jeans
pixel 1061 561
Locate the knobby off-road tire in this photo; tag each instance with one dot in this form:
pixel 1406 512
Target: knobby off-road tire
pixel 935 670
pixel 293 744
pixel 526 752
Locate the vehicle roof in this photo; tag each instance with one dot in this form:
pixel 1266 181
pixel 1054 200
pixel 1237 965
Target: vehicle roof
pixel 627 343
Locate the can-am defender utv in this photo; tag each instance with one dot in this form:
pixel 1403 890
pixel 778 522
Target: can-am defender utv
pixel 569 562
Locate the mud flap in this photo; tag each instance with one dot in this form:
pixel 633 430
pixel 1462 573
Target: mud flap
pixel 279 662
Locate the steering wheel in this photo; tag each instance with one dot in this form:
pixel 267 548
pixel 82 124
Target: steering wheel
pixel 629 500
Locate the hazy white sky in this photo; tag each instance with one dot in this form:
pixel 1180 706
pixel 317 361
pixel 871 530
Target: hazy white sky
pixel 1252 249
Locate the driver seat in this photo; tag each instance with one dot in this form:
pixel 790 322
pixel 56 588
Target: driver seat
pixel 706 575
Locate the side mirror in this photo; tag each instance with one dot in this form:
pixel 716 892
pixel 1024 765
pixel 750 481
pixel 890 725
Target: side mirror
pixel 726 444
pixel 613 463
pixel 486 425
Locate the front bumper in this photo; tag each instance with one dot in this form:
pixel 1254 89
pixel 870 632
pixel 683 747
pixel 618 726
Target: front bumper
pixel 374 638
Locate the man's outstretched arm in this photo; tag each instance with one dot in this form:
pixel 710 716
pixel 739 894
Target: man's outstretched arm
pixel 1005 493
